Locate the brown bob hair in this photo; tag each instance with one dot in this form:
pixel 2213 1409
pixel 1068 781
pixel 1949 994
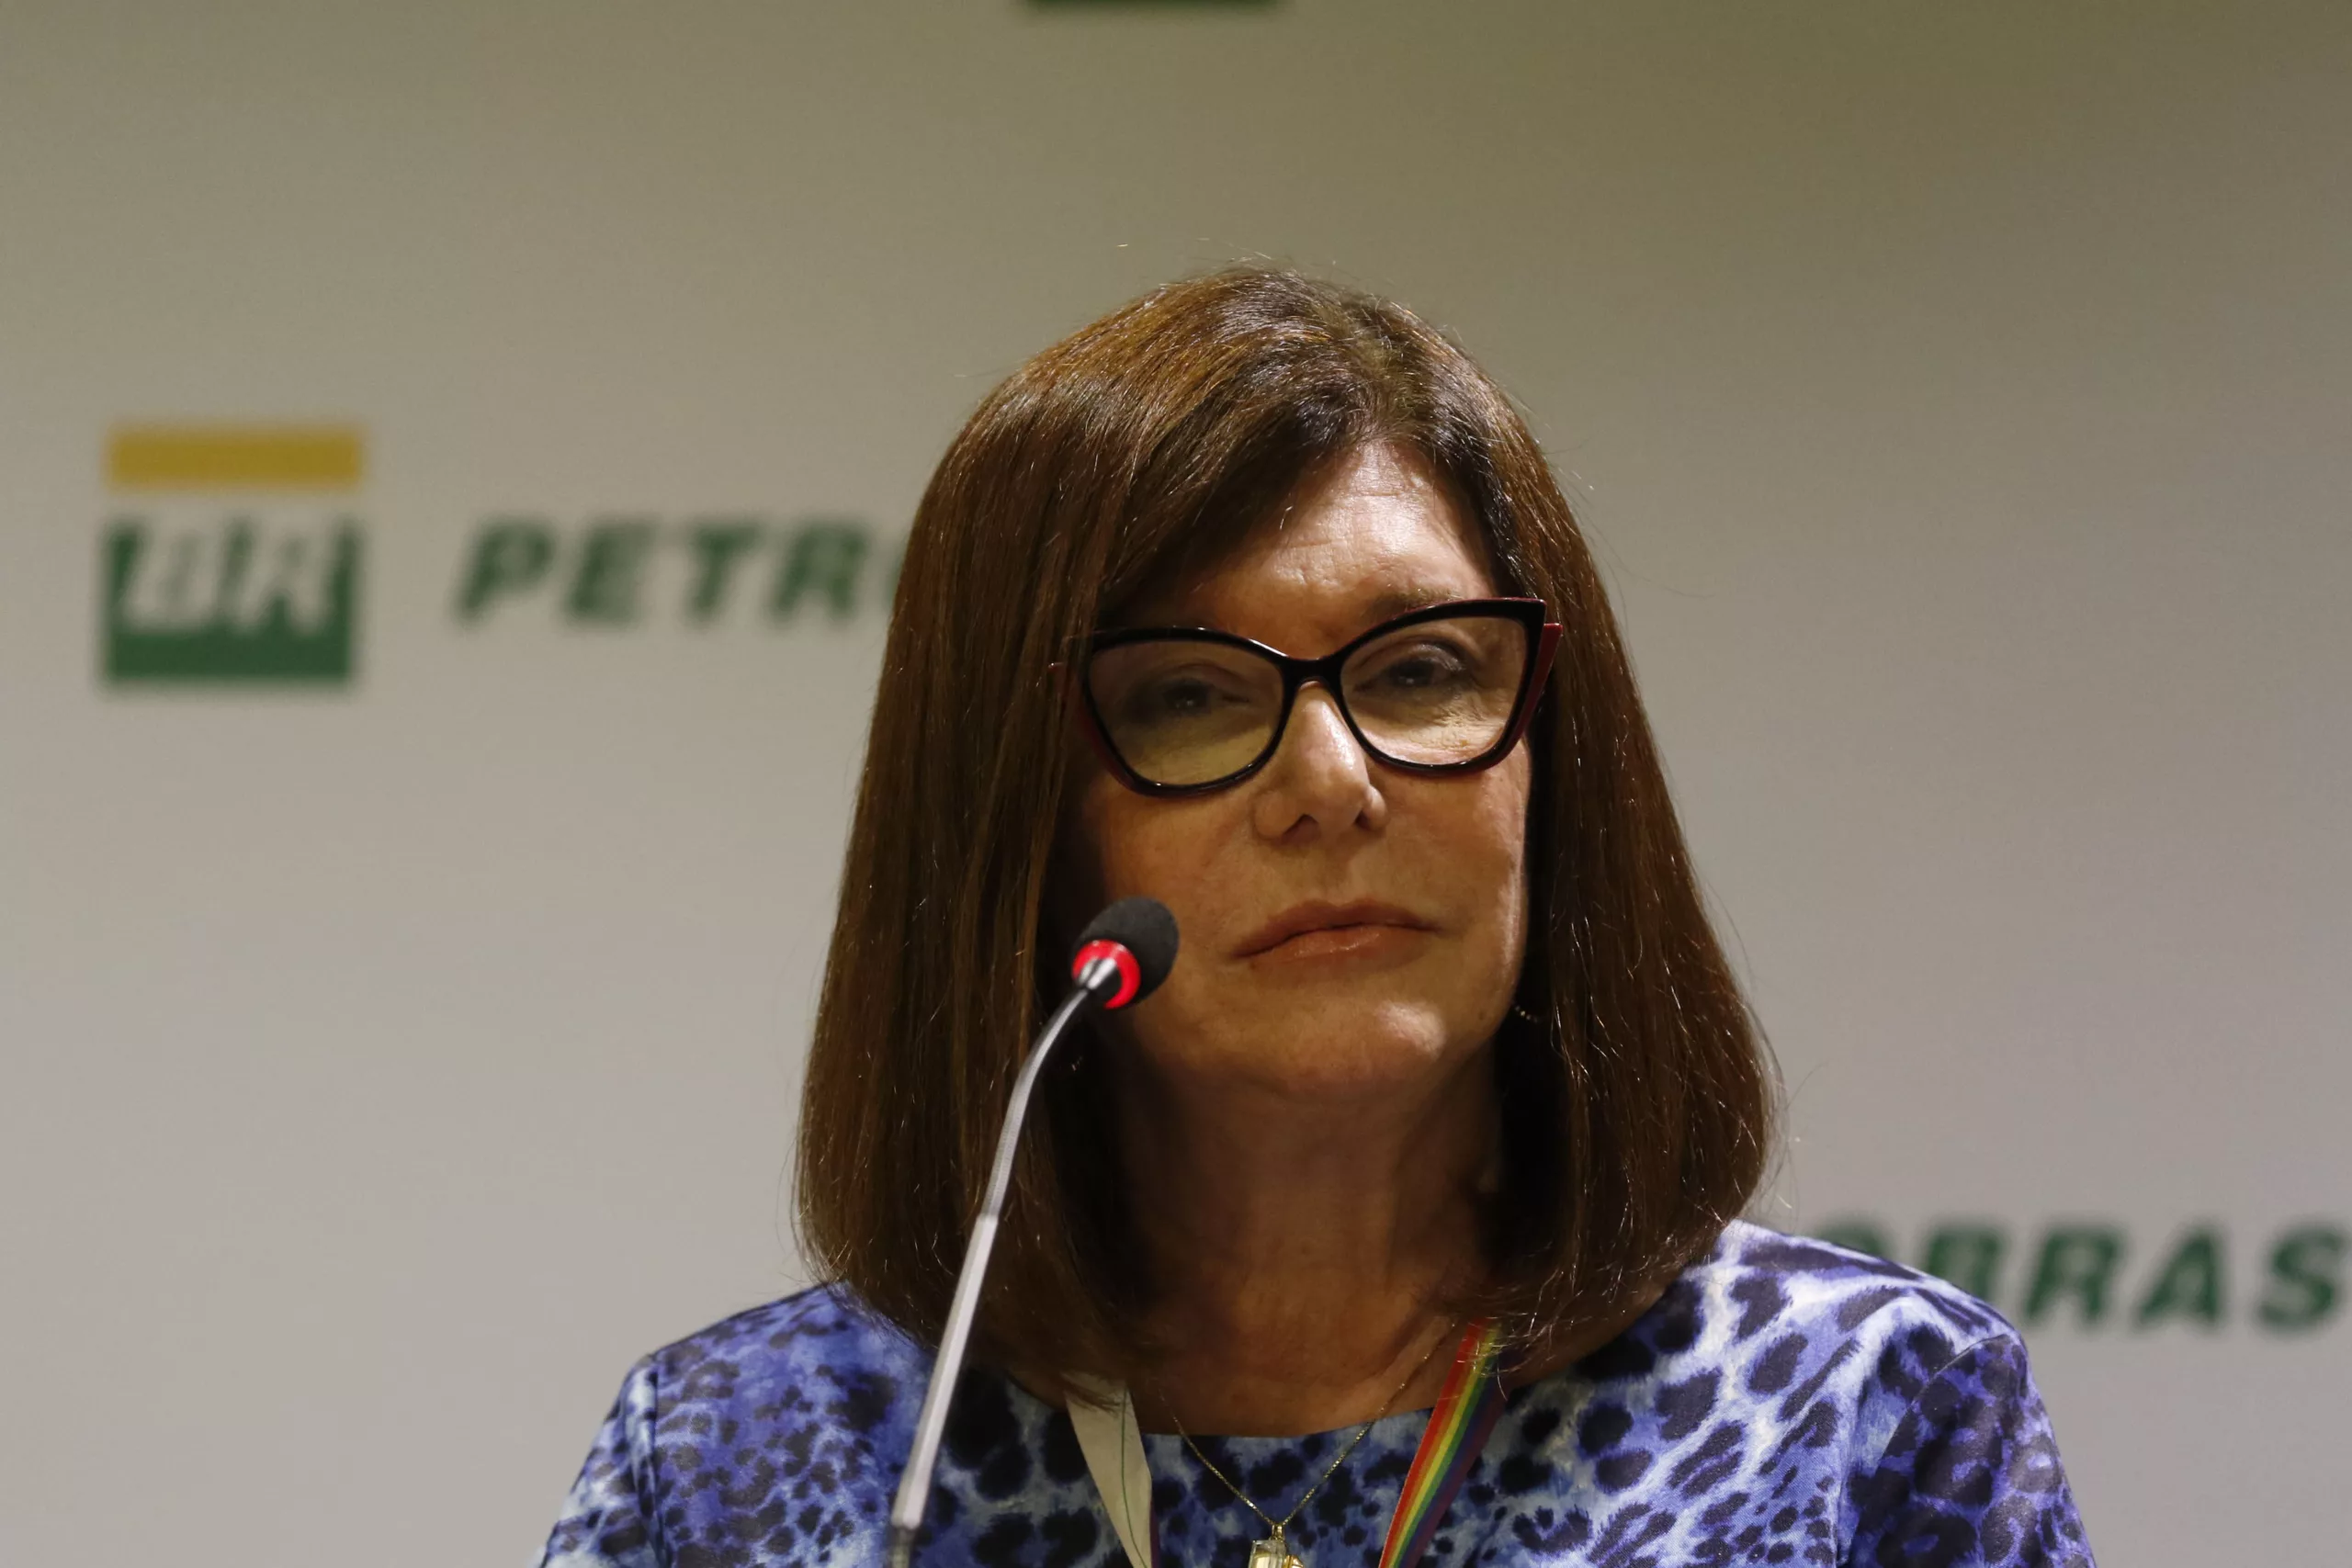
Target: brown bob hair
pixel 1637 1106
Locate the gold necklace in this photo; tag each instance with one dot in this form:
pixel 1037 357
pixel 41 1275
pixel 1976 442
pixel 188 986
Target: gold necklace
pixel 1275 1551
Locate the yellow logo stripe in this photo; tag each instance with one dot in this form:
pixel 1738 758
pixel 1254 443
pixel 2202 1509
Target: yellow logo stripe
pixel 234 456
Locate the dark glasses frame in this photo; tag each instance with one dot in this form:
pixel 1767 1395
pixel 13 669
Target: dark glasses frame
pixel 1543 639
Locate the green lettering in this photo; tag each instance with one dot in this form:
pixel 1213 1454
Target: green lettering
pixel 1860 1234
pixel 236 565
pixel 510 555
pixel 1968 1255
pixel 163 585
pixel 612 570
pixel 823 558
pixel 719 544
pixel 2306 1269
pixel 2190 1285
pixel 2077 1261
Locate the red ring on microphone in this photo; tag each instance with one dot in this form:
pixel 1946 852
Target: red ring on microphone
pixel 1130 972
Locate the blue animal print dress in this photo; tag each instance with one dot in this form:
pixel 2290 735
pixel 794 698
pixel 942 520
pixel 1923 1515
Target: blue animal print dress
pixel 1785 1401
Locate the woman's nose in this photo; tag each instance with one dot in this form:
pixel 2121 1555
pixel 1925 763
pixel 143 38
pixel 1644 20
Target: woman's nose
pixel 1319 774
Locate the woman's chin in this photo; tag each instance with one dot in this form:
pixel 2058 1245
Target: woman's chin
pixel 1341 1060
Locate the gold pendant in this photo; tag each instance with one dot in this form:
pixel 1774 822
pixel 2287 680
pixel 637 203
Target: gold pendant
pixel 1273 1552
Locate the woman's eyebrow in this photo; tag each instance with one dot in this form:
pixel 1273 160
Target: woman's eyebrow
pixel 1388 603
pixel 1393 602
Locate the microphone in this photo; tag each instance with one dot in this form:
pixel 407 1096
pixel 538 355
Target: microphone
pixel 1120 959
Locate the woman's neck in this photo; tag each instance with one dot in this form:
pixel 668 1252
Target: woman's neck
pixel 1302 1252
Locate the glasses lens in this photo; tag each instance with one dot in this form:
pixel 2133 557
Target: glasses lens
pixel 1180 712
pixel 1437 691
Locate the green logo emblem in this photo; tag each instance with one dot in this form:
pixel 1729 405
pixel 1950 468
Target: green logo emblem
pixel 214 583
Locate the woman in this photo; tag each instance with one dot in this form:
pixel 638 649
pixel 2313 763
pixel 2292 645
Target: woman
pixel 1399 1226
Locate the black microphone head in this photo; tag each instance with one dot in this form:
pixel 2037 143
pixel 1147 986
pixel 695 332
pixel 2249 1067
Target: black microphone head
pixel 1145 929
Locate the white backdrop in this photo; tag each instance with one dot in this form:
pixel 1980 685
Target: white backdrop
pixel 1956 397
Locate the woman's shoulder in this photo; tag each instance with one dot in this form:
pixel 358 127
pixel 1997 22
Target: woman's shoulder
pixel 1785 1389
pixel 817 1361
pixel 1767 1319
pixel 1769 1300
pixel 794 1413
pixel 824 1334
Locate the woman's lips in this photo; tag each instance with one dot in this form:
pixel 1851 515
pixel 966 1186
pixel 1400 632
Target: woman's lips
pixel 1319 929
pixel 1344 942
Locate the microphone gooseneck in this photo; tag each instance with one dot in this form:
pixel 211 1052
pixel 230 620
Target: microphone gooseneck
pixel 1121 958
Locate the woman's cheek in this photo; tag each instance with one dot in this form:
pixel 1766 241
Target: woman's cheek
pixel 1486 855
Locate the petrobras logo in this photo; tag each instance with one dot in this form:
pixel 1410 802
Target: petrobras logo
pixel 232 557
pixel 2096 1275
pixel 617 572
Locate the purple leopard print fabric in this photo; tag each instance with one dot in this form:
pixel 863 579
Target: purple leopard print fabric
pixel 1785 1401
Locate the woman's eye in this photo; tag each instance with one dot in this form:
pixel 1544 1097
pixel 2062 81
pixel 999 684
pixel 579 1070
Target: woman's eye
pixel 1424 666
pixel 1177 697
pixel 1184 698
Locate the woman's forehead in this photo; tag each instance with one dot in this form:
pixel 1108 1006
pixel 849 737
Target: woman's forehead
pixel 1371 542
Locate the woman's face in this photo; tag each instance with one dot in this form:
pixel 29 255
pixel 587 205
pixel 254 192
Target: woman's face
pixel 1411 889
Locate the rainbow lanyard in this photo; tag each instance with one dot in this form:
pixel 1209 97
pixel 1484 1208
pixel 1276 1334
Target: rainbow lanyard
pixel 1467 1409
pixel 1465 1417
